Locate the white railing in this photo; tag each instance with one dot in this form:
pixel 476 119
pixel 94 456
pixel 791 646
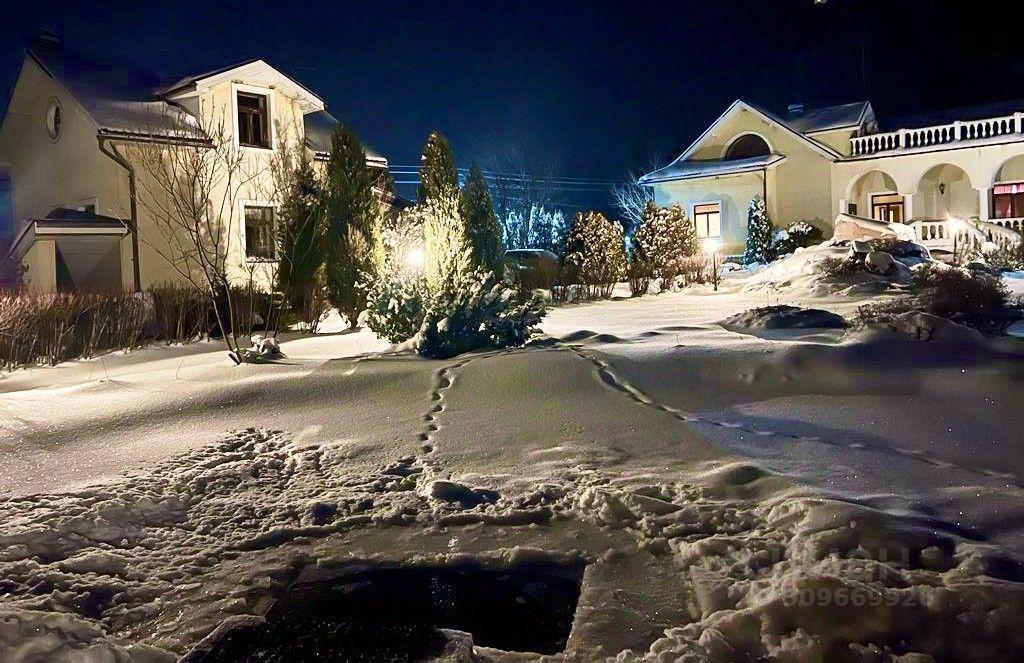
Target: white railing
pixel 938 134
pixel 1016 223
pixel 936 234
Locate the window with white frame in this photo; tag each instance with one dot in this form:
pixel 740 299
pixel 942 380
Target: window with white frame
pixel 259 233
pixel 707 217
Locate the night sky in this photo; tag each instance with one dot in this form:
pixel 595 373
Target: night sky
pixel 589 88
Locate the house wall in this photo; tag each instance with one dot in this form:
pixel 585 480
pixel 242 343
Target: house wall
pixel 733 193
pixel 215 106
pixel 968 173
pixel 837 140
pixel 40 265
pixel 48 173
pixel 799 188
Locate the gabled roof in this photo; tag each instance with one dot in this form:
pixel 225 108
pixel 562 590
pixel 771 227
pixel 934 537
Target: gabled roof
pixel 319 127
pixel 688 170
pixel 250 70
pixel 115 98
pixel 738 106
pixel 831 118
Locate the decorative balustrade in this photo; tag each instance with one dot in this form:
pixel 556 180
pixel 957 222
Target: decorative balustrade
pixel 938 135
pixel 1015 223
pixel 946 235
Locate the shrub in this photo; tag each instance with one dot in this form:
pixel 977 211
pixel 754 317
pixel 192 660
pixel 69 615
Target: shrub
pixel 395 304
pixel 974 299
pixel 180 315
pixel 799 234
pixel 663 242
pixel 837 267
pixel 640 274
pixel 480 311
pixel 595 255
pixel 1007 258
pixel 56 327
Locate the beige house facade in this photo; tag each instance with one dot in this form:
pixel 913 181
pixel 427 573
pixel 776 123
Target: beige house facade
pixel 946 174
pixel 71 148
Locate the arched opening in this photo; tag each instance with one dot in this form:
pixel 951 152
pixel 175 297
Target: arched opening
pixel 946 191
pixel 1008 194
pixel 874 195
pixel 747 146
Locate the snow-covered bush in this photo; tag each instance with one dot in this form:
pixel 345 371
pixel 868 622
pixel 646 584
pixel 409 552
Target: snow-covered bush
pixel 395 304
pixel 799 234
pixel 480 311
pixel 661 246
pixel 595 255
pixel 1008 258
pixel 973 299
pixel 759 233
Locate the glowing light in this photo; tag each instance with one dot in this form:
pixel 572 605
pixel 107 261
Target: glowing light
pixel 415 257
pixel 711 244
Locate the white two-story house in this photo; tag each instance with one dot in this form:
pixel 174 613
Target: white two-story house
pixel 67 166
pixel 960 171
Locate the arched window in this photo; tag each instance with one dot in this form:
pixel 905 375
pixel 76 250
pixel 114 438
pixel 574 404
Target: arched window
pixel 746 147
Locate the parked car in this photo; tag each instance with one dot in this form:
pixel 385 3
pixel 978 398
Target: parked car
pixel 532 268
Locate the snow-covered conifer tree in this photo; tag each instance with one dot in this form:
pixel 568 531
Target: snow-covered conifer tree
pixel 759 233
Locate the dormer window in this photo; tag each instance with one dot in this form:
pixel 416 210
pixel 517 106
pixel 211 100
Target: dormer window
pixel 253 120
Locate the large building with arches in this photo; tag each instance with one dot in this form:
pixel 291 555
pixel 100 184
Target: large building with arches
pixel 931 170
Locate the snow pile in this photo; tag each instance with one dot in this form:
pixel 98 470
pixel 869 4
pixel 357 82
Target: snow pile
pixel 784 317
pixel 810 579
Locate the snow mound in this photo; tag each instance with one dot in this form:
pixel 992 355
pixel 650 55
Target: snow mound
pixel 784 317
pixel 921 326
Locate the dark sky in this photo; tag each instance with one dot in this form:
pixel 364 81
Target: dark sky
pixel 592 88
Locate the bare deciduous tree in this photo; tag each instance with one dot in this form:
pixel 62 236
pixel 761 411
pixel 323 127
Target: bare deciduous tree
pixel 189 188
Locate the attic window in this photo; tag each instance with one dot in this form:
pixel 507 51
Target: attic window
pixel 253 121
pixel 53 119
pixel 747 147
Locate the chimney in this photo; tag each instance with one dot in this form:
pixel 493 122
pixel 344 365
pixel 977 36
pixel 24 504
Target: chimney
pixel 49 35
pixel 795 110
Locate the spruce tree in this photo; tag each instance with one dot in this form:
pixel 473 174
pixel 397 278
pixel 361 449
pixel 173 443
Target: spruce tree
pixel 300 228
pixel 438 176
pixel 759 233
pixel 352 244
pixel 477 213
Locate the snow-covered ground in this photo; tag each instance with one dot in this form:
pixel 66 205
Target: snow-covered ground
pixel 736 496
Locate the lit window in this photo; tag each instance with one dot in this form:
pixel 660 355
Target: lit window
pixel 708 219
pixel 259 233
pixel 887 207
pixel 1008 200
pixel 253 127
pixel 53 119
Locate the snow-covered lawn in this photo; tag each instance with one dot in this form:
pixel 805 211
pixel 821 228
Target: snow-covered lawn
pixel 734 496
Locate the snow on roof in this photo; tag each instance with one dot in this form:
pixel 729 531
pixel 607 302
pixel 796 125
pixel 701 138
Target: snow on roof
pixel 828 118
pixel 319 127
pixel 686 170
pixel 116 98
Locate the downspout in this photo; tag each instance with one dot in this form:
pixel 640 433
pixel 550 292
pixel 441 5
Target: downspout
pixel 116 157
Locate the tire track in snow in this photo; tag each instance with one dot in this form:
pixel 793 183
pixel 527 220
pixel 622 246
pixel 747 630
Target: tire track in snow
pixel 610 378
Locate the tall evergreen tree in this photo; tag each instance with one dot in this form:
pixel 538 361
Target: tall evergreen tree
pixel 759 233
pixel 352 242
pixel 482 226
pixel 300 228
pixel 448 253
pixel 438 176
